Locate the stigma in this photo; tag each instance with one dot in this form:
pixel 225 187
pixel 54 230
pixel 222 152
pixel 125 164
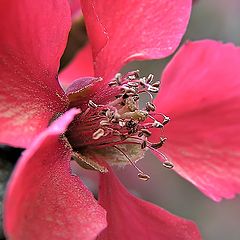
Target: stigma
pixel 120 124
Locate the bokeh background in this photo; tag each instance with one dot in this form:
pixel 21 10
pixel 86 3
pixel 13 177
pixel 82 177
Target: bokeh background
pixel 212 19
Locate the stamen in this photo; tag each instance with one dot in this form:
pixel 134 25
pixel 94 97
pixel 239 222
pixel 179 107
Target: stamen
pixel 166 120
pixel 92 104
pixel 122 122
pixel 153 89
pixel 118 78
pixel 146 133
pixel 143 145
pixel 157 124
pixel 156 84
pixel 168 165
pixel 149 78
pixel 141 174
pixel 150 107
pixel 159 144
pixel 98 134
pixel 133 75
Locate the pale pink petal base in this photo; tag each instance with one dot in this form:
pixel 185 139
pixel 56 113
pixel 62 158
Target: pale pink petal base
pixel 43 200
pixel 131 218
pixel 200 91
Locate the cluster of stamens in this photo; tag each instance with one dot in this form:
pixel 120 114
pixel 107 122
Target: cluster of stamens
pixel 122 122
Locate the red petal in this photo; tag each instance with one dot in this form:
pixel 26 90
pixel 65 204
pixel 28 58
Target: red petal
pixel 132 218
pixel 201 92
pixel 33 36
pixel 140 29
pixel 43 199
pixel 81 66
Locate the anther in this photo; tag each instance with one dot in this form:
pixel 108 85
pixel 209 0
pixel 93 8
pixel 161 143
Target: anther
pixel 109 114
pixel 133 75
pixel 143 144
pixel 98 134
pixel 133 84
pixel 118 77
pixel 135 97
pixel 146 133
pixel 92 104
pixel 166 120
pixel 150 107
pixel 112 83
pixel 140 134
pixel 157 124
pixel 105 123
pixel 143 82
pixel 156 84
pixel 153 89
pixel 149 78
pixel 168 164
pixel 159 144
pixel 130 90
pixel 143 176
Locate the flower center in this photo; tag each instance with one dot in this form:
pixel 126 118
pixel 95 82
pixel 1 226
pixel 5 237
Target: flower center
pixel 120 125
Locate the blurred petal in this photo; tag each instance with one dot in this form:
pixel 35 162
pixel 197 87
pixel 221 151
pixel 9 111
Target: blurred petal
pixel 200 91
pixel 75 8
pixel 43 199
pixel 131 218
pixel 138 29
pixel 81 66
pixel 33 37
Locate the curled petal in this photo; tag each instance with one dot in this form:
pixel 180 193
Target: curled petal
pixel 43 200
pixel 138 29
pixel 132 218
pixel 33 37
pixel 200 91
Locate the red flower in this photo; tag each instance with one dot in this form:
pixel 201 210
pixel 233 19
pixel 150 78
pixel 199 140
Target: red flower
pixel 43 199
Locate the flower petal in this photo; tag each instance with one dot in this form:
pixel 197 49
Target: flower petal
pixel 200 91
pixel 81 66
pixel 132 218
pixel 33 37
pixel 140 29
pixel 81 91
pixel 75 8
pixel 43 199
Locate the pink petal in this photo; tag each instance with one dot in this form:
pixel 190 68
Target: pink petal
pixel 82 90
pixel 201 93
pixel 81 66
pixel 75 8
pixel 131 218
pixel 140 29
pixel 43 199
pixel 33 37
